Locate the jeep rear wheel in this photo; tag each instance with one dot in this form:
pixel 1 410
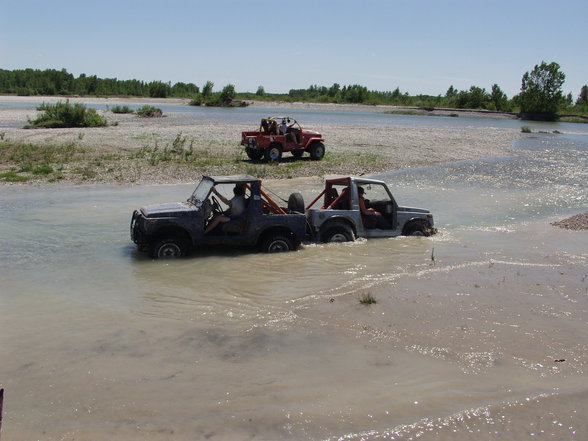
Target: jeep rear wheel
pixel 168 248
pixel 317 150
pixel 338 233
pixel 277 243
pixel 273 152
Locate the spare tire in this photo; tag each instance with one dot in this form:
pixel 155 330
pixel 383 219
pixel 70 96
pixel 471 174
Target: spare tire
pixel 296 203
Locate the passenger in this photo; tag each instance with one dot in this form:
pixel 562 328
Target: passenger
pixel 369 216
pixel 236 207
pixel 283 127
pixel 264 126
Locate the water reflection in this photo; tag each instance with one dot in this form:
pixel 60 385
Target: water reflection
pixel 249 117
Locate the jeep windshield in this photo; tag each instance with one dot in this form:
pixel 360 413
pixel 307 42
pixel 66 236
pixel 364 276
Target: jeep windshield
pixel 202 190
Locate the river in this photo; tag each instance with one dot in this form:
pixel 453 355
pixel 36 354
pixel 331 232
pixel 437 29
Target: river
pixel 478 332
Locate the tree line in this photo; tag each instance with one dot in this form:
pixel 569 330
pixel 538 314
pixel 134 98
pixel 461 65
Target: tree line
pixel 541 95
pixel 541 92
pixel 52 82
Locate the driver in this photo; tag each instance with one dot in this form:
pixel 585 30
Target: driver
pixel 288 130
pixel 236 207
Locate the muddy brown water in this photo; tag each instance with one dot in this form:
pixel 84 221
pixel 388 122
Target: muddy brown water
pixel 478 333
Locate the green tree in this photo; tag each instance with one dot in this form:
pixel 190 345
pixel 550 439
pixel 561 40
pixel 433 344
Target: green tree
pixel 499 98
pixel 207 89
pixel 158 89
pixel 541 94
pixel 260 91
pixel 451 92
pixel 583 98
pixel 228 94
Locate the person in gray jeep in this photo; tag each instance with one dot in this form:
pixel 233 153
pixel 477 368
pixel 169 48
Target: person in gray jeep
pixel 351 207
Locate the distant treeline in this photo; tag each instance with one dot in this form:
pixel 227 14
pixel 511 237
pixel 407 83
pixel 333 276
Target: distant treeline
pixel 475 98
pixel 60 82
pixel 50 82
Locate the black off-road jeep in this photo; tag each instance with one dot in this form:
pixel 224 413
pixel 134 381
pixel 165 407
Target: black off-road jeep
pixel 174 229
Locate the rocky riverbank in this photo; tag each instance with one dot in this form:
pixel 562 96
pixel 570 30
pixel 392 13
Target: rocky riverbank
pixel 173 149
pixel 576 223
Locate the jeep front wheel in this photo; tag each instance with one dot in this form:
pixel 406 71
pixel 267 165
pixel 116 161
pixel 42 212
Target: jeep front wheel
pixel 317 150
pixel 338 233
pixel 254 154
pixel 277 243
pixel 168 248
pixel 273 153
pixel 417 229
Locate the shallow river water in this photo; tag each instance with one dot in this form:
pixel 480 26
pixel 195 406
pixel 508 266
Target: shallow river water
pixel 478 333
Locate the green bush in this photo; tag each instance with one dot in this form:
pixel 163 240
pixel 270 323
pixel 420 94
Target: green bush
pixel 196 100
pixel 64 115
pixel 149 112
pixel 121 109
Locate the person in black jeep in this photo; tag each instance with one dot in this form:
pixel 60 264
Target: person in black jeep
pixel 236 207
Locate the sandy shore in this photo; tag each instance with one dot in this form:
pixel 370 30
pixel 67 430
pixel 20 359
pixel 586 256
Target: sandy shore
pixel 109 151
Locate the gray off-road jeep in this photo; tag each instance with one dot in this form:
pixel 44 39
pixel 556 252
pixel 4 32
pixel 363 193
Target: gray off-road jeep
pixel 335 214
pixel 174 229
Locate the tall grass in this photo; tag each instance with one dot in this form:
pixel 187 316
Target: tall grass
pixel 121 109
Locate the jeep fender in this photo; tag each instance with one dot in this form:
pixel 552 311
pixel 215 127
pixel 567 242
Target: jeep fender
pixel 416 223
pixel 171 231
pixel 313 139
pixel 263 235
pixel 337 220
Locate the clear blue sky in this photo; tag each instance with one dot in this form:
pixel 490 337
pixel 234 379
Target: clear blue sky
pixel 420 46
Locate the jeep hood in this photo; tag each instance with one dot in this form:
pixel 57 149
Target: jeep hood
pixel 166 209
pixel 413 210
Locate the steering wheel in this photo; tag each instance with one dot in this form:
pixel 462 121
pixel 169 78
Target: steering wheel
pixel 207 209
pixel 216 207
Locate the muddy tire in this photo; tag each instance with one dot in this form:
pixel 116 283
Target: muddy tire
pixel 338 233
pixel 277 243
pixel 254 154
pixel 417 229
pixel 317 151
pixel 273 153
pixel 168 248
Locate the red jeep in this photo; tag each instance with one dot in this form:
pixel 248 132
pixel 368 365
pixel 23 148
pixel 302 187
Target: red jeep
pixel 282 134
